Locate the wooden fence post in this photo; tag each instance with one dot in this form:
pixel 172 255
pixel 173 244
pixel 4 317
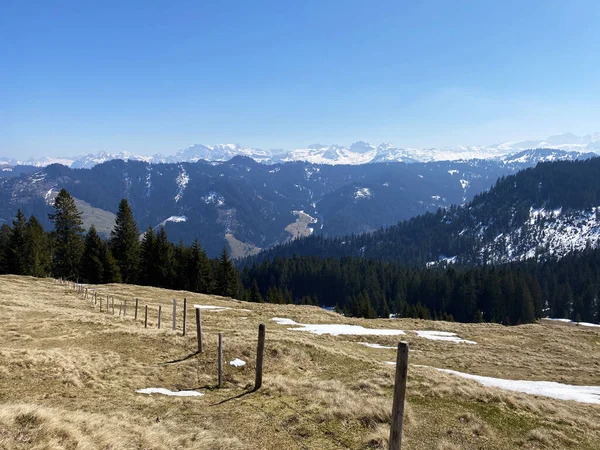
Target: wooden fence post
pixel 107 304
pixel 95 298
pixel 199 329
pixel 112 302
pixel 399 392
pixel 159 314
pixel 136 309
pixel 120 308
pixel 124 307
pixel 174 314
pixel 260 350
pixel 100 305
pixel 184 315
pixel 220 359
pixel 146 318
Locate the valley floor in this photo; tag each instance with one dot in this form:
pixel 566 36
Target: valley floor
pixel 69 375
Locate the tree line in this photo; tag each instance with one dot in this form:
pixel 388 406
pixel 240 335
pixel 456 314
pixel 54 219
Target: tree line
pixel 128 256
pixel 509 294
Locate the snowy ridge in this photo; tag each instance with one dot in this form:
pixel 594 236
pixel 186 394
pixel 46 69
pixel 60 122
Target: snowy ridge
pixel 551 233
pixel 563 146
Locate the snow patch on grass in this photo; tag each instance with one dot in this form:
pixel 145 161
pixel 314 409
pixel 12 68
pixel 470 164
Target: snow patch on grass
pixel 581 394
pixel 442 336
pixel 164 391
pixel 211 307
pixel 368 344
pixel 237 362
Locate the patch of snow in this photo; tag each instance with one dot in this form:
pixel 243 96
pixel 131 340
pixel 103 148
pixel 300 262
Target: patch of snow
pixel 436 197
pixel 583 324
pixel 453 172
pixel 214 198
pixel 211 307
pixel 386 184
pixel 284 321
pixel 368 344
pixel 176 219
pixel 581 394
pixel 362 193
pixel 237 362
pixel 442 336
pixel 182 181
pixel 164 391
pixel 464 184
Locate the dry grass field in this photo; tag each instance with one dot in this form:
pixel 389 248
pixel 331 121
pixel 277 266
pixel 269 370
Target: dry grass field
pixel 69 374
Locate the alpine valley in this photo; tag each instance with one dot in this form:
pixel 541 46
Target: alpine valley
pixel 250 206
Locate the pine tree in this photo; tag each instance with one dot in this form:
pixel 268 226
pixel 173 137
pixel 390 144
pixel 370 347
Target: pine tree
pixel 148 274
pixel 125 244
pixel 37 249
pixel 165 261
pixel 198 269
pixel 68 244
pixel 92 264
pixel 17 259
pixel 110 268
pixel 226 283
pixel 5 236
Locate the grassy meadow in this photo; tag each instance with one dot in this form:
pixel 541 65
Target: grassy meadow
pixel 69 374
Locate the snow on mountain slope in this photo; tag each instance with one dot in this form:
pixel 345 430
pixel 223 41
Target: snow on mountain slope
pixel 548 233
pixel 357 153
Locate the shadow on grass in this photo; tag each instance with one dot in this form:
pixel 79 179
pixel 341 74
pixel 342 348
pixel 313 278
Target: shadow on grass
pixel 185 358
pixel 235 397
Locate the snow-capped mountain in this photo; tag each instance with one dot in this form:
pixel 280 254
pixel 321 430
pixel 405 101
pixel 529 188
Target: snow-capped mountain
pixel 357 153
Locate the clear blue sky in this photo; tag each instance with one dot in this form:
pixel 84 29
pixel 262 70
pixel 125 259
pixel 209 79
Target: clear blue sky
pixel 156 76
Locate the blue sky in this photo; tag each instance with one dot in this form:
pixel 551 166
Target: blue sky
pixel 81 76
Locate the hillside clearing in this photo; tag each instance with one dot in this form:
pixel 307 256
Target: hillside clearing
pixel 69 375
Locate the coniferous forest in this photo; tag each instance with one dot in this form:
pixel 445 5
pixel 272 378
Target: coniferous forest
pixel 509 294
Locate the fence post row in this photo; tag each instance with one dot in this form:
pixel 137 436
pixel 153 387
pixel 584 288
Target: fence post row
pixel 260 350
pixel 395 442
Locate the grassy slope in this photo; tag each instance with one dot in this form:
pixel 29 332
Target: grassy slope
pixel 68 375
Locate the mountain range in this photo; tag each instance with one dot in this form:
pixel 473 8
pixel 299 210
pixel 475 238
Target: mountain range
pixel 538 214
pixel 357 153
pixel 250 206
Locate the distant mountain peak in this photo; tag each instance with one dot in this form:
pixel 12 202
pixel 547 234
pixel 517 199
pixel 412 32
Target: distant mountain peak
pixel 360 152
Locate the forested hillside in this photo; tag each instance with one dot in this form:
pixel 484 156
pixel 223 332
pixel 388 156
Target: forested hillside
pixel 540 213
pixel 250 206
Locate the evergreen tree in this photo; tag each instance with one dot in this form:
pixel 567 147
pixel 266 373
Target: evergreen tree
pixel 165 261
pixel 5 237
pixel 226 282
pixel 92 263
pixel 17 258
pixel 37 249
pixel 148 274
pixel 125 244
pixel 110 268
pixel 199 277
pixel 68 244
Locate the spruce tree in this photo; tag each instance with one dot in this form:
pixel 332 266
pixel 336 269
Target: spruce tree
pixel 255 294
pixel 37 249
pixel 226 283
pixel 92 264
pixel 148 274
pixel 198 269
pixel 164 260
pixel 17 258
pixel 125 244
pixel 67 234
pixel 5 236
pixel 110 268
